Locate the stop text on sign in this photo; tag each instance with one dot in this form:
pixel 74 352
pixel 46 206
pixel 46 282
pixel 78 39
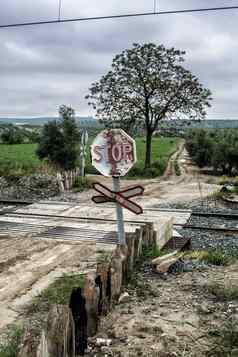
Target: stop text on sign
pixel 113 153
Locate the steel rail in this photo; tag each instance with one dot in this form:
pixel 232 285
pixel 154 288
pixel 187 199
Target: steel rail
pixel 217 229
pixel 41 215
pixel 213 214
pixel 15 202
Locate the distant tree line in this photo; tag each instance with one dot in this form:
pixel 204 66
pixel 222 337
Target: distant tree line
pixel 12 134
pixel 215 148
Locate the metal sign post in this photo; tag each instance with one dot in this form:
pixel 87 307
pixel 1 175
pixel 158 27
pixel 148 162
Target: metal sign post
pixel 113 154
pixel 119 213
pixel 84 140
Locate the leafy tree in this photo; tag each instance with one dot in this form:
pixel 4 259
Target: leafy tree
pixel 33 136
pixel 215 148
pixel 146 84
pixel 200 144
pixel 59 141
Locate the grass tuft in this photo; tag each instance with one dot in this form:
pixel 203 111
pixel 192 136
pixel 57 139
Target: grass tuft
pixel 223 292
pixel 9 346
pixel 151 253
pixel 214 257
pixel 81 184
pixel 57 293
pixel 226 339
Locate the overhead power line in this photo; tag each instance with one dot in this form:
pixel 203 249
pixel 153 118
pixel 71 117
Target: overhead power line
pixel 95 18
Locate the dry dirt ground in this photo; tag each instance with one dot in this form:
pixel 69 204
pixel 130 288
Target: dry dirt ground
pixel 179 316
pixel 176 317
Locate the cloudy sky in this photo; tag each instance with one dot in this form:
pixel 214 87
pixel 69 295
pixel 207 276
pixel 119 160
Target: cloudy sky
pixel 42 67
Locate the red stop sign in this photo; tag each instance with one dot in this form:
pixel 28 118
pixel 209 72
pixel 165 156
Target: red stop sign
pixel 113 152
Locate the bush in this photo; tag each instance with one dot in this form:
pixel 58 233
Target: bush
pixel 215 148
pixel 59 141
pixel 226 338
pixel 9 346
pixel 156 169
pixel 81 184
pixel 216 257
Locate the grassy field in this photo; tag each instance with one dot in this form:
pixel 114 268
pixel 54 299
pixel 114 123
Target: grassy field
pixel 18 159
pixel 162 149
pixel 21 158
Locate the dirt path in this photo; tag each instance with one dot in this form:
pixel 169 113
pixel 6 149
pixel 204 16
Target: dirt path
pixel 189 185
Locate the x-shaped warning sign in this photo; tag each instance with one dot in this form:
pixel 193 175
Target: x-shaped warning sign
pixel 121 197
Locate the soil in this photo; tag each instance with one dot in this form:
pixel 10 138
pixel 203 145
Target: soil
pixel 175 317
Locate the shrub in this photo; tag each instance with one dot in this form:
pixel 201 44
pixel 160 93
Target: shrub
pixel 216 257
pixel 9 346
pixel 215 148
pixel 223 293
pixel 80 184
pixel 59 141
pixel 226 339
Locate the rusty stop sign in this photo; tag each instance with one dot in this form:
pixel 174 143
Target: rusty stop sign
pixel 113 152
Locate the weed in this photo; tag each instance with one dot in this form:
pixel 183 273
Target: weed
pixel 226 339
pixel 9 346
pixel 151 252
pixel 214 257
pixel 81 184
pixel 224 180
pixel 58 292
pixel 223 293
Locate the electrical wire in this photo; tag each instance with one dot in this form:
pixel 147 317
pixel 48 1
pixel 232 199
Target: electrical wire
pixel 97 18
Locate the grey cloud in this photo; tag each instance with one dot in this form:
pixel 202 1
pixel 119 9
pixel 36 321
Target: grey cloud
pixel 42 67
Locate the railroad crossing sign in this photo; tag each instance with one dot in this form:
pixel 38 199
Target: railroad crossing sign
pixel 121 197
pixel 113 152
pixel 84 140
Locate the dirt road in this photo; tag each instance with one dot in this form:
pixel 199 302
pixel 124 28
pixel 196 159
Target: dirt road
pixel 189 185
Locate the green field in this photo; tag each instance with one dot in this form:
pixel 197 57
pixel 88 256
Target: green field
pixel 21 158
pixel 18 159
pixel 162 149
